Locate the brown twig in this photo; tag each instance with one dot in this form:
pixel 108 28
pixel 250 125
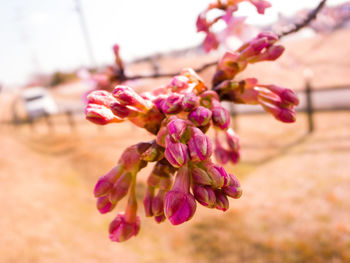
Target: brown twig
pixel 293 29
pixel 305 22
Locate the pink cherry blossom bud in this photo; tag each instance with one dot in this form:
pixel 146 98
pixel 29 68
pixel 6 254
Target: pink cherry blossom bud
pixel 222 156
pixel 121 187
pixel 221 200
pixel 121 229
pixel 175 152
pixel 100 114
pixel 254 48
pixel 153 153
pixel 173 104
pixel 158 203
pixel 210 42
pixel 104 205
pixel 208 97
pixel 220 116
pixel 177 129
pixel 159 101
pixel 127 96
pixel 159 219
pixel 261 5
pixel 282 114
pixel 131 157
pixel 271 37
pixel 123 111
pixel 199 146
pixel 147 201
pixel 179 83
pixel 100 97
pixel 272 53
pixel 105 184
pixel 217 173
pixel 200 176
pixel 288 96
pixel 116 49
pixel 180 204
pixel 234 156
pixel 204 195
pixel 233 191
pixel 190 102
pixel 200 116
pixel 232 139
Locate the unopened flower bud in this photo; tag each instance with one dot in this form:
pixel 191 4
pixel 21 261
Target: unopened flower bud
pixel 208 97
pixel 175 152
pixel 158 203
pixel 204 195
pixel 217 173
pixel 100 114
pixel 288 96
pixel 105 184
pixel 221 200
pixel 190 102
pixel 121 229
pixel 180 204
pixel 173 104
pixel 200 116
pixel 271 54
pixel 177 129
pixel 200 176
pixel 179 83
pixel 127 96
pixel 104 205
pixel 199 146
pixel 220 116
pixel 123 111
pixel 100 97
pixel 222 156
pixel 154 153
pixel 282 114
pixel 121 187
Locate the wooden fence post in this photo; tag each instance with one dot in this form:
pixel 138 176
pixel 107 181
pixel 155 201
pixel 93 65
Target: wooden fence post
pixel 309 106
pixel 70 118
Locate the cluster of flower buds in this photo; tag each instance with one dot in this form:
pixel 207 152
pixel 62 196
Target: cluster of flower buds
pixel 179 114
pixel 228 7
pixel 278 101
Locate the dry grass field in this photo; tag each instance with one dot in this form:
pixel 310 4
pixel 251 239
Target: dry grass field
pixel 295 206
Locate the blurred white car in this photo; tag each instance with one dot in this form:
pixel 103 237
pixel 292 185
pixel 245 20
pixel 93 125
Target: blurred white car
pixel 38 102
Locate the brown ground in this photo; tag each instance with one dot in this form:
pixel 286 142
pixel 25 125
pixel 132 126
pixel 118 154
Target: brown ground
pixel 294 208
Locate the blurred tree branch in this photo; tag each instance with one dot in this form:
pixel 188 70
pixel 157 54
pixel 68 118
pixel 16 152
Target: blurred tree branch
pixel 292 29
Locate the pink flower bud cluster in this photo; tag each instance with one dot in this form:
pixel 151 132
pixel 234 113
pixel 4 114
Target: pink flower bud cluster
pixel 179 114
pixel 228 8
pixel 278 101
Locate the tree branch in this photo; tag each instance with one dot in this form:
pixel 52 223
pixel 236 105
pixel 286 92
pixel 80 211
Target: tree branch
pixel 293 29
pixel 305 22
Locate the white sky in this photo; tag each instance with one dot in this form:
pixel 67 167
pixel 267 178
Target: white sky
pixel 50 31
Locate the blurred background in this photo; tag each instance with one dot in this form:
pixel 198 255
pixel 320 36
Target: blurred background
pixel 295 177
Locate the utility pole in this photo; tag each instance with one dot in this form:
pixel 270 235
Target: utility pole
pixel 85 33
